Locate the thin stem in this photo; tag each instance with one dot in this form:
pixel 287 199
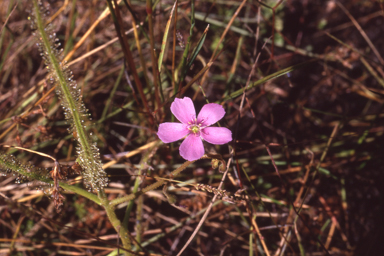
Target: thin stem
pixel 152 186
pixel 120 229
pixel 80 191
pixel 152 51
pixel 128 55
pixel 207 211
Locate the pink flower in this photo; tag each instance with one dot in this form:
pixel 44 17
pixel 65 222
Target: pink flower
pixel 196 129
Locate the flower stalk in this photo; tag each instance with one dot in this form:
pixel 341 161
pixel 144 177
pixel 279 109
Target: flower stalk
pixel 152 186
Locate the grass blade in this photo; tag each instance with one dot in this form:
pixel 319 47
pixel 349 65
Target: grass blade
pixel 165 37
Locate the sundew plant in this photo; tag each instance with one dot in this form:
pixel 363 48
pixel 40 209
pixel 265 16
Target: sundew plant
pixel 166 127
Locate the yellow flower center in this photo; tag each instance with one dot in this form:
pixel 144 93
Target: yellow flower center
pixel 194 129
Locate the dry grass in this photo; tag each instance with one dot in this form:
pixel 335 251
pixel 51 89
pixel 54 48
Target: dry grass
pixel 306 113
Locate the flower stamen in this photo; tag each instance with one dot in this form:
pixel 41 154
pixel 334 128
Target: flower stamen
pixel 194 129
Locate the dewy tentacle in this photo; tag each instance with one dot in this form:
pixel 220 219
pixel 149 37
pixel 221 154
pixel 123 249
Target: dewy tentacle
pixel 74 109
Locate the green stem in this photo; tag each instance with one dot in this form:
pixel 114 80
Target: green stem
pixel 79 191
pixel 120 229
pixel 155 72
pixel 183 63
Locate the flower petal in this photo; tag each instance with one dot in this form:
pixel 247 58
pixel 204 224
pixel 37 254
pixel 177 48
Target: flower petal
pixel 192 148
pixel 183 110
pixel 210 114
pixel 216 135
pixel 170 132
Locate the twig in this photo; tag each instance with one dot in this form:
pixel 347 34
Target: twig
pixel 207 211
pixel 362 32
